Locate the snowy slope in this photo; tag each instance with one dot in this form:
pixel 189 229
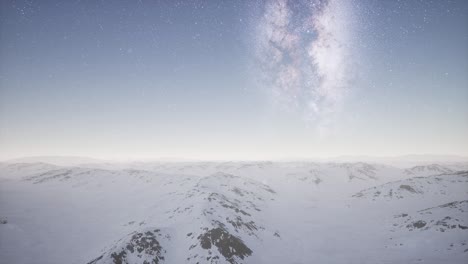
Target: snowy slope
pixel 445 217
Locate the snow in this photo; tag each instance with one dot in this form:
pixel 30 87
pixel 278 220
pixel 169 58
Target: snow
pixel 232 212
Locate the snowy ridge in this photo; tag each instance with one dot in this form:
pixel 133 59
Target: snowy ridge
pixel 219 216
pixel 446 217
pixel 426 170
pixel 146 246
pixel 442 228
pixel 15 170
pixel 442 184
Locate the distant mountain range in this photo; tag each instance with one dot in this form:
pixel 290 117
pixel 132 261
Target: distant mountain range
pixel 399 161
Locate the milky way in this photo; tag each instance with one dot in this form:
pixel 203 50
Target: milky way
pixel 305 53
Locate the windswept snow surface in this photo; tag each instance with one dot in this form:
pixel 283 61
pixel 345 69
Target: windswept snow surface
pixel 233 212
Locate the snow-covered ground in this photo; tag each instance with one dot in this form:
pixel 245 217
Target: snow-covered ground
pixel 233 212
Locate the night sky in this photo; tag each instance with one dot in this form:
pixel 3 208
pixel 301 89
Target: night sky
pixel 233 79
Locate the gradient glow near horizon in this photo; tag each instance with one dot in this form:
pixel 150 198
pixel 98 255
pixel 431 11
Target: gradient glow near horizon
pixel 233 79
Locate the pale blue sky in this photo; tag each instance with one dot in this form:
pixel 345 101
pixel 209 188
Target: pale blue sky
pixel 149 79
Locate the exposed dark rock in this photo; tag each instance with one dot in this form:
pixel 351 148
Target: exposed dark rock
pixel 419 224
pixel 408 188
pixel 142 245
pixel 239 223
pixel 95 260
pixel 229 246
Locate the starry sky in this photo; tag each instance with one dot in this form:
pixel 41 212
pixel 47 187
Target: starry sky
pixel 233 79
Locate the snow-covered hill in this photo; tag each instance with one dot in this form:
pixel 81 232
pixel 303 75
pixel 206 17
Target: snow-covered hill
pixel 445 217
pixel 425 170
pixel 448 184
